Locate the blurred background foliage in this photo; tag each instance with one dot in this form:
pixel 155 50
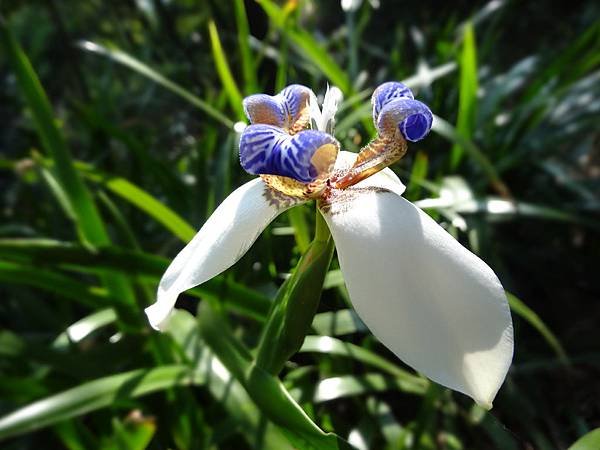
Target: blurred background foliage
pixel 125 146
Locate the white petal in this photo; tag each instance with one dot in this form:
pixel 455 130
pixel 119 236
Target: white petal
pixel 436 305
pixel 333 97
pixel 315 112
pixel 225 237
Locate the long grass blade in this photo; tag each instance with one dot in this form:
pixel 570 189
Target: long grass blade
pixel 520 308
pixel 94 395
pixel 308 46
pixel 89 223
pixel 148 72
pixel 467 102
pixel 243 35
pixel 222 66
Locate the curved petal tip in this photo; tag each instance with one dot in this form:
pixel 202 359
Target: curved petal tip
pixel 159 313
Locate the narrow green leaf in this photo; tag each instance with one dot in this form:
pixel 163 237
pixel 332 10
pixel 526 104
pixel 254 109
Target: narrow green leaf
pixel 467 102
pixel 331 346
pixel 353 385
pixel 88 219
pixel 17 274
pixel 265 390
pixel 94 395
pixel 336 323
pixel 184 329
pixel 144 201
pixel 307 45
pixel 60 195
pixel 298 221
pixel 316 53
pixel 417 176
pixel 536 322
pixel 81 329
pixel 132 434
pixel 80 203
pixel 148 72
pixel 31 253
pixel 248 66
pixel 446 130
pixel 233 93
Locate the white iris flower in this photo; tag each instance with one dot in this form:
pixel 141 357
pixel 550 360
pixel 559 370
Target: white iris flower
pixel 428 299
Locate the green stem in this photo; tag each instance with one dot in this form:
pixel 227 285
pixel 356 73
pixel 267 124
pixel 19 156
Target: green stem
pixel 322 233
pixel 296 303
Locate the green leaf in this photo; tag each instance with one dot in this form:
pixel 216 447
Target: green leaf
pixel 316 53
pixel 94 395
pixel 467 101
pixel 307 45
pixel 418 175
pixel 53 282
pixel 142 200
pixel 231 89
pixel 446 130
pixel 352 385
pixel 184 329
pixel 335 323
pixel 79 199
pixel 243 34
pixel 81 329
pixel 148 72
pixel 76 198
pixel 591 441
pixel 520 308
pixel 267 392
pixel 298 221
pixel 332 346
pixel 31 253
pixel 134 433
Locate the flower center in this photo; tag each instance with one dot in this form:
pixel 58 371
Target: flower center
pixel 299 162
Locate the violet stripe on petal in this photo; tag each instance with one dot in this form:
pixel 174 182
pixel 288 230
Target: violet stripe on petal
pixel 280 110
pixel 268 150
pixel 295 98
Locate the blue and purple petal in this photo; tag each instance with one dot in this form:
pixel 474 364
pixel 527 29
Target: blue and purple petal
pixel 288 109
pixel 263 108
pixel 269 150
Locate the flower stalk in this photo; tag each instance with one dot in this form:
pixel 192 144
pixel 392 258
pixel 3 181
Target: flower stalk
pixel 296 303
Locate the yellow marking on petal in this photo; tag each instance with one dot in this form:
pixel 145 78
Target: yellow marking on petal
pixel 264 115
pixel 302 119
pixel 324 159
pixel 294 188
